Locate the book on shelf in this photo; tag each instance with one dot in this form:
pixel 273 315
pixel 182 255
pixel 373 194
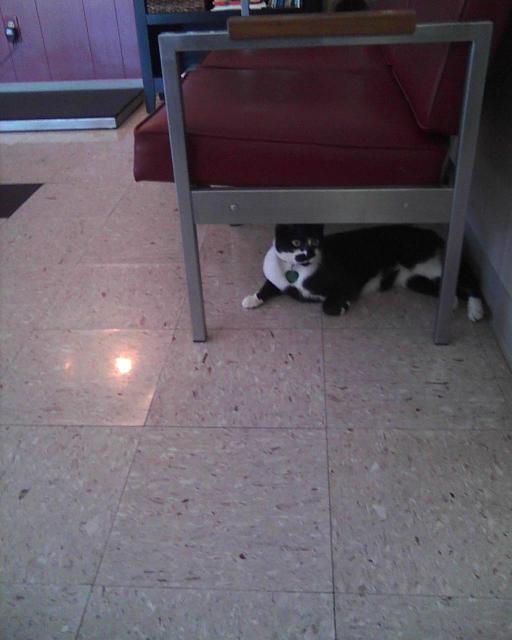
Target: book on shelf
pixel 224 5
pixel 285 4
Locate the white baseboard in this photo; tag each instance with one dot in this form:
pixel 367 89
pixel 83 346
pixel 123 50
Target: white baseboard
pixel 71 85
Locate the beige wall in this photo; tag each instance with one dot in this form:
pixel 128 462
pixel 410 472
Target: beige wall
pixel 490 214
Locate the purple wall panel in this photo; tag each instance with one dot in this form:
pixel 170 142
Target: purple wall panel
pixel 128 35
pixel 104 38
pixel 6 67
pixel 70 40
pixel 66 39
pixel 29 57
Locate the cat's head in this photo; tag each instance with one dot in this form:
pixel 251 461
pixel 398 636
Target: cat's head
pixel 299 243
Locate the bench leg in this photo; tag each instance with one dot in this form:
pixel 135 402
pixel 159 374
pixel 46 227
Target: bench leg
pixel 175 118
pixel 450 273
pixel 469 125
pixel 193 272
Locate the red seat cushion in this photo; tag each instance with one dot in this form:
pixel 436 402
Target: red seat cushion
pixel 343 59
pixel 268 127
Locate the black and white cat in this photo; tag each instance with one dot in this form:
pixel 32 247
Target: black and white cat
pixel 337 269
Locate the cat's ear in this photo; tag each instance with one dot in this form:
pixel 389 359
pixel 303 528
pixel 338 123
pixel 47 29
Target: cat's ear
pixel 317 230
pixel 283 229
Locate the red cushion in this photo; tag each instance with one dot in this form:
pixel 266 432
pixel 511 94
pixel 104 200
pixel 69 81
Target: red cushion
pixel 293 128
pixel 346 59
pixel 431 75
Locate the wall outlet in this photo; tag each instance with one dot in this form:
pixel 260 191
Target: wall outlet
pixel 11 28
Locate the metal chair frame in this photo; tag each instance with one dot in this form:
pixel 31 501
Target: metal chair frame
pixel 219 205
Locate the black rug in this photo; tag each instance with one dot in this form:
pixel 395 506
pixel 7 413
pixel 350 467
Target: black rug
pixel 12 196
pixel 56 110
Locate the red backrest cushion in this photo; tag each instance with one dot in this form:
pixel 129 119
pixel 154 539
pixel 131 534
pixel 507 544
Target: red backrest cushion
pixel 432 76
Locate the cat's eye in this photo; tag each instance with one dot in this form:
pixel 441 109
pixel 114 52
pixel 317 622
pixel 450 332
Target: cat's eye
pixel 296 243
pixel 314 242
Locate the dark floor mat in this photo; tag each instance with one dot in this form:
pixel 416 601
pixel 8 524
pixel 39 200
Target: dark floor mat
pixel 53 110
pixel 12 196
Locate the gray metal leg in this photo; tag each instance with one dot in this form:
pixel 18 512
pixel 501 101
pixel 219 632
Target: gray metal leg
pixel 450 272
pixel 192 269
pixel 174 107
pixel 470 122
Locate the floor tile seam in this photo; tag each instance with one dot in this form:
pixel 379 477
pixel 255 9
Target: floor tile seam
pixel 113 585
pixel 159 379
pixel 89 181
pixel 230 327
pixel 429 596
pixel 15 357
pixel 329 492
pixel 182 313
pixel 180 307
pixel 412 430
pixel 186 331
pixel 116 510
pixel 330 430
pixel 290 429
pixel 416 330
pixel 96 262
pixel 67 425
pixel 131 263
pixel 373 595
pixel 414 381
pixel 227 327
pixel 7 469
pixel 117 328
pixel 269 329
pixel 107 540
pixel 294 329
pixel 60 585
pixel 84 611
pixel 155 587
pixel 102 225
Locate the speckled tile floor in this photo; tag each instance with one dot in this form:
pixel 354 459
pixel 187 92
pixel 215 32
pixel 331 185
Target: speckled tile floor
pixel 296 477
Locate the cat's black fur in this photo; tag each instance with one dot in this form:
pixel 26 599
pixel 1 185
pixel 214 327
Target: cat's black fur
pixel 335 269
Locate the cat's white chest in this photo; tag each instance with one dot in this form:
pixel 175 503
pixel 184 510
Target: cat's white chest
pixel 275 271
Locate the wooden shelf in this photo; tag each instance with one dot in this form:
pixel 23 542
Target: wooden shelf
pixel 197 17
pixel 189 17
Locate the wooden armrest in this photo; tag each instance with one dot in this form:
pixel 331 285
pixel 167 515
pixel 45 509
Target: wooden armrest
pixel 357 23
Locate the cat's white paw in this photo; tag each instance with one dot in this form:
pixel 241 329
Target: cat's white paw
pixel 475 309
pixel 345 307
pixel 251 302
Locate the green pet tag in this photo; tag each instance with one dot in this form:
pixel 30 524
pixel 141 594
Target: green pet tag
pixel 291 276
